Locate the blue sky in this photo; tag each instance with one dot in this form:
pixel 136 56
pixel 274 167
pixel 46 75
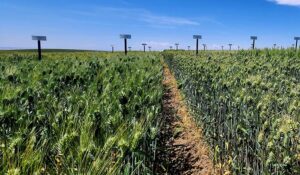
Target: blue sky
pixel 96 24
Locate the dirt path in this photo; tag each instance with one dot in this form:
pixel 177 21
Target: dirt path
pixel 183 149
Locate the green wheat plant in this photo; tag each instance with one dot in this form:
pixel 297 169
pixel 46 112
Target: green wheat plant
pixel 79 113
pixel 248 103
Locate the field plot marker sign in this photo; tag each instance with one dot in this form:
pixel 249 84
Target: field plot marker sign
pixel 197 37
pixel 149 48
pixel 125 37
pixel 144 44
pixel 39 39
pixel 204 46
pixel 176 44
pixel 254 38
pixel 230 45
pixel 112 49
pixel 297 39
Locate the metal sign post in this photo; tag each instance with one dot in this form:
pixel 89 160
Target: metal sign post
pixel 222 48
pixel 112 49
pixel 230 45
pixel 171 47
pixel 189 47
pixel 39 39
pixel 197 37
pixel 204 46
pixel 274 46
pixel 144 44
pixel 149 48
pixel 125 37
pixel 176 44
pixel 297 39
pixel 129 49
pixel 254 38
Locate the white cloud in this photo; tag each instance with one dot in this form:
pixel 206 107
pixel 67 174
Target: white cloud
pixel 287 2
pixel 141 15
pixel 167 20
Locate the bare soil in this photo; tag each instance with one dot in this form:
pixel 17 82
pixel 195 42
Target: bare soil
pixel 183 150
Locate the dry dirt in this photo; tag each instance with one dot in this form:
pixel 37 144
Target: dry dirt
pixel 183 149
